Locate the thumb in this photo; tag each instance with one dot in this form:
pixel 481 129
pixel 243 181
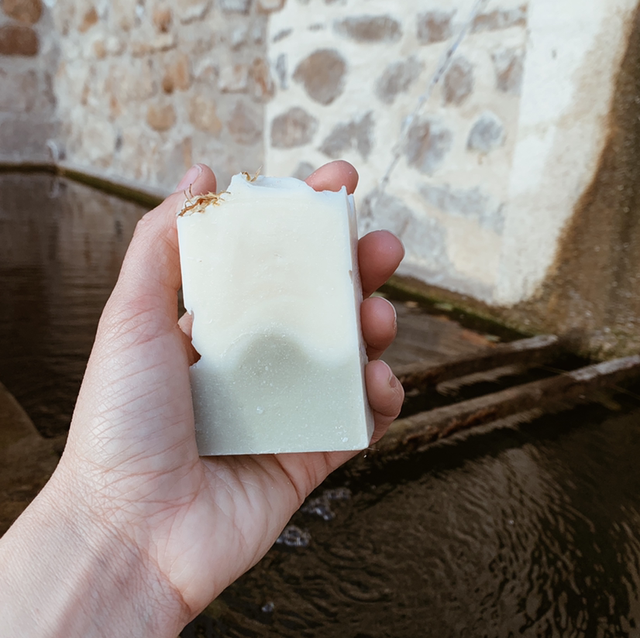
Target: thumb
pixel 146 291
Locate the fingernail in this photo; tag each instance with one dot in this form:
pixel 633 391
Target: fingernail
pixel 395 315
pixel 391 379
pixel 189 178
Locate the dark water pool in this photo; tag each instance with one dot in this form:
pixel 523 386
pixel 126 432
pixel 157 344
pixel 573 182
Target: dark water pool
pixel 532 530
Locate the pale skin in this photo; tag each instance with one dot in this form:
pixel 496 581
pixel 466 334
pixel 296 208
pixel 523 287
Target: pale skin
pixel 135 533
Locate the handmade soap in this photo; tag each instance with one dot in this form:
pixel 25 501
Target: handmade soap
pixel 270 275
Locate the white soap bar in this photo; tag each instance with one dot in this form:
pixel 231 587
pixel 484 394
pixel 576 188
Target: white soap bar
pixel 270 275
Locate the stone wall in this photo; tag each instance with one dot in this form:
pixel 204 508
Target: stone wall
pixel 347 75
pixel 493 172
pixel 148 88
pixel 28 57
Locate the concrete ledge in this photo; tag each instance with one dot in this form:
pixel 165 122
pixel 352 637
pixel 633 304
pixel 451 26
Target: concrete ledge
pixel 125 189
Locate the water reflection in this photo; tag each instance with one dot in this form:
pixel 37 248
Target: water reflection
pixel 61 246
pixel 526 532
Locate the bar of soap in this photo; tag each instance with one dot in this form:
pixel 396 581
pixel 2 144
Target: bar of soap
pixel 270 275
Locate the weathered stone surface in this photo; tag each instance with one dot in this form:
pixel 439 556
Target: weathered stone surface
pixel 245 125
pixel 281 35
pixel 435 26
pixel 27 11
pixel 509 67
pixel 159 42
pixel 261 80
pixel 177 73
pixel 370 28
pixel 130 81
pixel 356 134
pixel 123 13
pixel 191 10
pixel 487 133
pixel 425 238
pixel 428 142
pixel 16 39
pixel 322 74
pixel 19 91
pixel 397 78
pixel 161 117
pixel 270 5
pixel 162 18
pixel 303 170
pixel 103 47
pixel 458 82
pixel 234 78
pixel 89 18
pixel 236 6
pixel 500 19
pixel 471 203
pixel 98 141
pixel 204 116
pixel 282 68
pixel 293 128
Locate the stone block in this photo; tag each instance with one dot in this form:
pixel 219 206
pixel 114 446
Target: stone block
pixel 191 10
pixel 322 74
pixel 487 133
pixel 435 26
pixel 471 203
pixel 261 81
pixel 177 73
pixel 500 19
pixel 103 47
pixel 397 78
pixel 161 117
pixel 458 82
pixel 162 18
pixel 16 39
pixel 245 124
pixel 282 71
pixel 98 141
pixel 158 42
pixel 509 67
pixel 428 143
pixel 123 13
pixel 89 18
pixel 204 116
pixel 236 6
pixel 356 134
pixel 370 28
pixel 27 11
pixel 293 128
pixel 18 91
pixel 234 78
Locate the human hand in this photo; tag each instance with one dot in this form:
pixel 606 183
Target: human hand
pixel 166 530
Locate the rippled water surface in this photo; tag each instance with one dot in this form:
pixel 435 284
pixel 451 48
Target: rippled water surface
pixel 524 531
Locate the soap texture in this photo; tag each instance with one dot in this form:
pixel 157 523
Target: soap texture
pixel 270 275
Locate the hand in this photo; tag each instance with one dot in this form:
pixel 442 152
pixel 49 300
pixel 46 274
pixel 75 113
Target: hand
pixel 158 531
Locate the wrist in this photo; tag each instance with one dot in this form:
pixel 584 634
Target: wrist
pixel 67 572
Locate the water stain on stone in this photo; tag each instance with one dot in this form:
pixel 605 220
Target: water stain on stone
pixel 594 286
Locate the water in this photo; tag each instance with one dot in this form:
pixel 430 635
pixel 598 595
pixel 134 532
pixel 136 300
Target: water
pixel 532 531
pixel 527 531
pixel 61 246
